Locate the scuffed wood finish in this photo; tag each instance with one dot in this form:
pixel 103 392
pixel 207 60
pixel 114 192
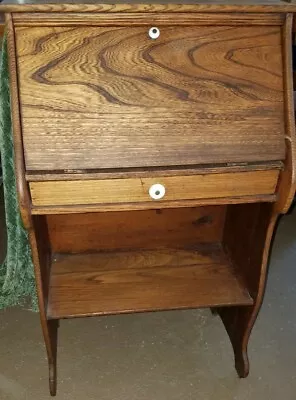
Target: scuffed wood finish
pixel 149 229
pixel 134 281
pixel 287 185
pixel 87 92
pixel 178 188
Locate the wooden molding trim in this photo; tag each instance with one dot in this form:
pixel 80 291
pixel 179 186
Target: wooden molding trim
pixel 76 209
pixel 147 8
pixel 74 175
pixel 130 19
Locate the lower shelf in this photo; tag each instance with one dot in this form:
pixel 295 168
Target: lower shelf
pixel 147 280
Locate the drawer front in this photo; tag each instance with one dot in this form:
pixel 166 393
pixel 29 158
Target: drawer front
pixel 110 97
pixel 137 190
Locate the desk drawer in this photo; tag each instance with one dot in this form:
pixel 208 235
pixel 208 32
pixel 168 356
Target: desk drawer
pixel 145 190
pixel 112 97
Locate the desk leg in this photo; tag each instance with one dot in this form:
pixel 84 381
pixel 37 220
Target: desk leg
pixel 238 323
pixel 50 334
pixel 52 355
pixel 41 253
pixel 247 239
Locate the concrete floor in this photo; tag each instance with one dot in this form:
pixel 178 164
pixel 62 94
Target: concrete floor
pixel 158 356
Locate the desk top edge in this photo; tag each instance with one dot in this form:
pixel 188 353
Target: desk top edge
pixel 172 6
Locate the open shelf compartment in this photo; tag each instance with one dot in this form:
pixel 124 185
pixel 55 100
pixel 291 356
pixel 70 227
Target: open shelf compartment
pixel 121 262
pixel 107 283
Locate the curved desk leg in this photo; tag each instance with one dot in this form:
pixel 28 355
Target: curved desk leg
pixel 249 228
pixel 238 324
pixel 247 239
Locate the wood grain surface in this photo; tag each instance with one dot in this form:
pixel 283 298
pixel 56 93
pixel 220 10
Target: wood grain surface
pixel 144 18
pixel 148 229
pixel 177 188
pixel 95 97
pixel 117 282
pixel 254 225
pixel 69 175
pixel 19 161
pixel 35 226
pixel 287 184
pixel 251 6
pixel 92 208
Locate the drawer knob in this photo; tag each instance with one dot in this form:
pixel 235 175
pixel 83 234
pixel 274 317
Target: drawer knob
pixel 157 191
pixel 154 33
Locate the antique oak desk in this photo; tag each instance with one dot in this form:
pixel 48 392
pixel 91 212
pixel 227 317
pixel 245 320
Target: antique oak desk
pixel 154 150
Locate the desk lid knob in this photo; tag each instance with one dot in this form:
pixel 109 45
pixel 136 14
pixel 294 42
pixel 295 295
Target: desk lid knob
pixel 157 191
pixel 154 33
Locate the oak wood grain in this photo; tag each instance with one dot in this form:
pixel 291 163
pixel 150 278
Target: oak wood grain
pixel 87 93
pixel 147 229
pixel 152 18
pixel 178 188
pixel 99 100
pixel 90 208
pixel 107 283
pixel 254 224
pixel 68 175
pixel 254 6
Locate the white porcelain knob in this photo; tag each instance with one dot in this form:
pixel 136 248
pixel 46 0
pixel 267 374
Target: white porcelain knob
pixel 157 191
pixel 154 33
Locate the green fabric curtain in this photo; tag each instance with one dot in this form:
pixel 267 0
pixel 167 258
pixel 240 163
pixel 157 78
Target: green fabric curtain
pixel 17 284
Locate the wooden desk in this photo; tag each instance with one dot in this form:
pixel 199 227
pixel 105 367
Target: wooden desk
pixel 155 150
